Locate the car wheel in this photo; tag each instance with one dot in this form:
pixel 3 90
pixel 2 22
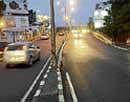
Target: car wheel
pixel 30 62
pixel 8 65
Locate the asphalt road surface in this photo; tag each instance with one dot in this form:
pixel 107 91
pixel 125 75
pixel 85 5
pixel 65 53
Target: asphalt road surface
pixel 99 72
pixel 15 81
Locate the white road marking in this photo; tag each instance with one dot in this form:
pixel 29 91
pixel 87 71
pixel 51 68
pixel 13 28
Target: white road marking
pixel 58 73
pixel 50 67
pixel 61 98
pixel 37 93
pixel 48 71
pixel 35 81
pixel 59 78
pixel 42 83
pixel 75 99
pixel 58 69
pixel 125 49
pixel 45 76
pixel 60 87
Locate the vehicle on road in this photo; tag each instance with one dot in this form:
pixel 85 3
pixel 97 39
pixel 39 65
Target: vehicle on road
pixel 45 37
pixel 2 47
pixel 21 53
pixel 61 33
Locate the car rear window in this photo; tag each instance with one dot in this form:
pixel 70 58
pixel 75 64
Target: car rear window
pixel 15 47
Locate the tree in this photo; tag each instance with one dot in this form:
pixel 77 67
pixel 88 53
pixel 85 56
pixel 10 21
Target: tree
pixel 117 23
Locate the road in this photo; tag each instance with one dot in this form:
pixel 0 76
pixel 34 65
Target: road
pixel 99 72
pixel 15 81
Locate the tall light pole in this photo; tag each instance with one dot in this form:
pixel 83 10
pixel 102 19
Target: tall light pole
pixel 53 33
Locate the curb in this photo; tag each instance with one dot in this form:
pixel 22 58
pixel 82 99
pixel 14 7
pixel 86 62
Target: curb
pixel 121 48
pixel 59 86
pixel 42 82
pixel 60 82
pixel 108 42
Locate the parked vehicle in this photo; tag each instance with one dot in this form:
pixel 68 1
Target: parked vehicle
pixel 2 47
pixel 21 53
pixel 44 37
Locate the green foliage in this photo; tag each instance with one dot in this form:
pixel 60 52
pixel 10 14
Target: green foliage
pixel 118 22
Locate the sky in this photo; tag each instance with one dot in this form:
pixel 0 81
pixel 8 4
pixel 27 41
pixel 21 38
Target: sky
pixel 83 10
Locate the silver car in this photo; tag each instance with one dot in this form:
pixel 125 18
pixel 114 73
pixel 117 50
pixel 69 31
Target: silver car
pixel 21 53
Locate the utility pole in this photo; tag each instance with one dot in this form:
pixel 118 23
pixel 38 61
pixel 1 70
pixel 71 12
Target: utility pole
pixel 53 33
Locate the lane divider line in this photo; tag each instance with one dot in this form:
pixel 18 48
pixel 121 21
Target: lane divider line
pixel 35 81
pixel 75 99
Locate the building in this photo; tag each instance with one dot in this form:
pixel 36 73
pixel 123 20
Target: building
pixel 16 19
pixel 100 12
pixel 32 17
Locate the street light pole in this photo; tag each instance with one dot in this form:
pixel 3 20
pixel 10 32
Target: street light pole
pixel 53 33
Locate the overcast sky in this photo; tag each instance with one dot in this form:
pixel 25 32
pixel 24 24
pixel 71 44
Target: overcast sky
pixel 84 9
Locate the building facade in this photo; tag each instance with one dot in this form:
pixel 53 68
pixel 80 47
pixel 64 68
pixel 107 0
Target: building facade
pixel 100 12
pixel 120 1
pixel 16 19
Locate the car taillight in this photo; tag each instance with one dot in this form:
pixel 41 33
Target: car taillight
pixel 24 47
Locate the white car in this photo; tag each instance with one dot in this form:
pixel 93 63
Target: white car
pixel 21 53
